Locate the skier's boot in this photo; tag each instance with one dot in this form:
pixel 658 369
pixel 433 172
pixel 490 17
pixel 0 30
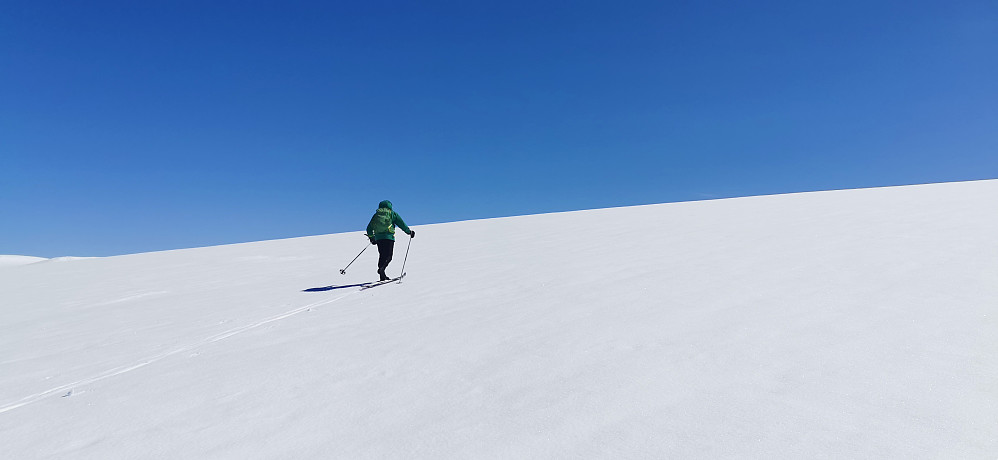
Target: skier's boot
pixel 381 272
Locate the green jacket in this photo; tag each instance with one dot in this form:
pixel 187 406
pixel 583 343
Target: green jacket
pixel 382 226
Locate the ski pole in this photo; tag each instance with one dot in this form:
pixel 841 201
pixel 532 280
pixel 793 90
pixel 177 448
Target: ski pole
pixel 404 259
pixel 344 270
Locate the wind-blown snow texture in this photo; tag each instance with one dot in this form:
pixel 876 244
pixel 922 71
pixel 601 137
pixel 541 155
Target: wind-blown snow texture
pixel 845 324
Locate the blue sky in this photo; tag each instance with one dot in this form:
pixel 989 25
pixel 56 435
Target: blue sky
pixel 139 126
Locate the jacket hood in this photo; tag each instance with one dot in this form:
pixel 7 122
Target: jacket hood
pixel 385 204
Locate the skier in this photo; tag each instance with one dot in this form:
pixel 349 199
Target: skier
pixel 381 231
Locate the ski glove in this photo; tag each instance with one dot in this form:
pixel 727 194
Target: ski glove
pixel 372 241
pixel 412 234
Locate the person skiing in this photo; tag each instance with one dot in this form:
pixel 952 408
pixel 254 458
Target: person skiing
pixel 381 231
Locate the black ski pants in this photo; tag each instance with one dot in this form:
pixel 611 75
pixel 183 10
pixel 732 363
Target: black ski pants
pixel 385 250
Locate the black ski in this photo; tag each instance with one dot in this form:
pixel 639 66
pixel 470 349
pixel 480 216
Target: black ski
pixel 380 283
pixel 330 288
pixel 362 286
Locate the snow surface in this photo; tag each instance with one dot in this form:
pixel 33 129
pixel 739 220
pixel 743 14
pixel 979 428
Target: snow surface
pixel 846 324
pixel 14 261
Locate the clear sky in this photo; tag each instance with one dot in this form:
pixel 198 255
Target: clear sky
pixel 139 126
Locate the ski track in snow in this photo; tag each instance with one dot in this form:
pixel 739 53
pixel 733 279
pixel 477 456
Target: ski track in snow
pixel 129 298
pixel 153 359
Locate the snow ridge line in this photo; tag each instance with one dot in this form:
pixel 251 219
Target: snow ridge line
pixel 147 361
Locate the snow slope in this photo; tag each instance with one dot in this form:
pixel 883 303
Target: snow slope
pixel 844 324
pixel 14 261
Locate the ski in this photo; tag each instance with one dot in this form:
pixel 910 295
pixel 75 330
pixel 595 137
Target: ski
pixel 380 283
pixel 330 288
pixel 362 286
